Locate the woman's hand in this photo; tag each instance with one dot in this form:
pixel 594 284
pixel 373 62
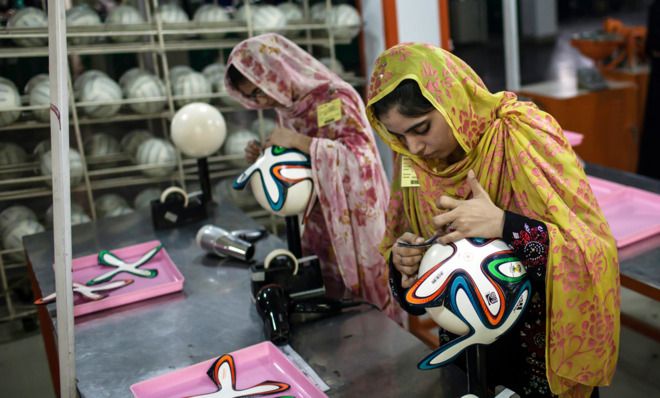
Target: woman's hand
pixel 406 259
pixel 252 151
pixel 288 139
pixel 477 217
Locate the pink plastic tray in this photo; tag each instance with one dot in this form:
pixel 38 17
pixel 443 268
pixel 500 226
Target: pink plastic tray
pixel 254 364
pixel 633 214
pixel 168 280
pixel 574 139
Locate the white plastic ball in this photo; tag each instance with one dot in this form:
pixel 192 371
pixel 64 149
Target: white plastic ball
pixel 82 15
pixel 293 13
pixel 11 154
pixel 211 14
pixel 34 80
pixel 12 215
pixel 9 98
pixel 125 15
pixel 317 12
pixel 144 198
pixel 130 75
pixel 192 84
pixel 235 145
pixel 266 19
pixel 156 151
pixel 101 144
pixel 75 167
pixel 40 96
pixel 198 129
pixel 13 238
pixel 345 21
pixel 84 77
pixel 100 90
pixel 171 13
pixel 145 86
pixel 29 17
pixel 177 71
pixel 108 204
pixel 41 148
pixel 132 141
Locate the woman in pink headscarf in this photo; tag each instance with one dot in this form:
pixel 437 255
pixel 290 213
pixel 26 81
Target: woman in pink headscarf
pixel 348 222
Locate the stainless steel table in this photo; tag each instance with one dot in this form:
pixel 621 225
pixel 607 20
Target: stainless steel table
pixel 358 354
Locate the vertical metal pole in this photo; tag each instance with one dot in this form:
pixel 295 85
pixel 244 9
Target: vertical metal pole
pixel 59 135
pixel 511 52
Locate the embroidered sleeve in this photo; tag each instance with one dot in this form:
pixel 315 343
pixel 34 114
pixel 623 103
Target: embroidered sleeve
pixel 530 241
pixel 399 292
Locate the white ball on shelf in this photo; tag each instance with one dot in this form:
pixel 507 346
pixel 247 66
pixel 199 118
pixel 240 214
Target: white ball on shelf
pixel 34 80
pixel 145 86
pixel 241 12
pixel 83 78
pixel 267 19
pixel 177 71
pixel 268 126
pixel 9 98
pixel 108 204
pixel 82 15
pixel 171 13
pixel 215 73
pixel 143 199
pixel 345 21
pixel 40 95
pixel 192 84
pixel 130 75
pixel 124 15
pixel 211 14
pixel 13 238
pixel 198 129
pixel 29 17
pixel 41 148
pixel 235 145
pixel 11 154
pixel 100 90
pixel 333 64
pixel 78 215
pixel 132 141
pixel 12 215
pixel 156 151
pixel 75 167
pixel 101 144
pixel 317 12
pixel 292 12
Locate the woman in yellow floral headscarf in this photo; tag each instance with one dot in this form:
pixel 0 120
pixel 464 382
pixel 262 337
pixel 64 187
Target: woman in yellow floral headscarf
pixel 490 166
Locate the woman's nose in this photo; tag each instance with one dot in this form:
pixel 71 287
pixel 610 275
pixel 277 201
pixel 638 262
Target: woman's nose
pixel 415 145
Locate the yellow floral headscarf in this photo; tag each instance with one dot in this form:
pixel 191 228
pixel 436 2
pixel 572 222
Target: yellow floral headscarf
pixel 523 160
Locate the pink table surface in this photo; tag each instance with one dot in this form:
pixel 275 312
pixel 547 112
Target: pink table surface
pixel 254 364
pixel 168 280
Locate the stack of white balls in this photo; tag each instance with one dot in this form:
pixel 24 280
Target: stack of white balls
pixel 95 86
pixel 82 15
pixel 188 83
pixel 29 17
pixel 111 205
pixel 11 155
pixel 9 99
pixel 140 84
pixel 124 15
pixel 211 14
pixel 16 222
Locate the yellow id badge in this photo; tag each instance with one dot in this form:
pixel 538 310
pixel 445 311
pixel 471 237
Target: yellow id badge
pixel 408 175
pixel 328 112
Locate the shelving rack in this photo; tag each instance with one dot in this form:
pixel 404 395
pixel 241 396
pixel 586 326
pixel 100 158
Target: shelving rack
pixel 153 49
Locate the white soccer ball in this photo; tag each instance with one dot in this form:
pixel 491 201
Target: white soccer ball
pixel 9 98
pixel 13 238
pixel 198 129
pixel 171 13
pixel 281 180
pixel 40 149
pixel 11 154
pixel 132 74
pixel 100 90
pixel 145 86
pixel 156 152
pixel 235 145
pixel 82 15
pixel 124 15
pixel 29 17
pixel 144 198
pixel 211 14
pixel 101 144
pixel 266 19
pixel 266 128
pixel 345 21
pixel 132 141
pixel 40 96
pixel 84 77
pixel 110 204
pixel 317 12
pixel 34 80
pixel 12 215
pixel 78 215
pixel 293 13
pixel 75 167
pixel 177 71
pixel 192 84
pixel 333 64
